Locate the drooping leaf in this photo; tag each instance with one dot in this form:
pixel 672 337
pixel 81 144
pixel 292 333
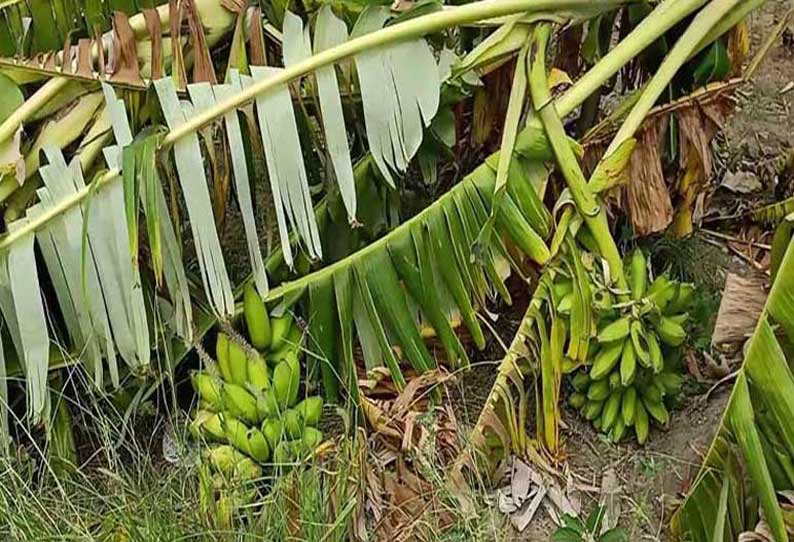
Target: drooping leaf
pixel 370 330
pixel 399 92
pixel 155 205
pixel 192 178
pixel 23 310
pixel 389 301
pixel 286 170
pixel 329 32
pixel 343 294
pixel 410 261
pixel 240 167
pixel 323 320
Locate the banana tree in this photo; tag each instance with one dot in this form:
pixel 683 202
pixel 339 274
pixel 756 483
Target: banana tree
pixel 173 158
pixel 87 231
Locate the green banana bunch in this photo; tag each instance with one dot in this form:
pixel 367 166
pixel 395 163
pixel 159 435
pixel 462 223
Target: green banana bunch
pixel 257 321
pixel 617 410
pixel 626 384
pixel 249 407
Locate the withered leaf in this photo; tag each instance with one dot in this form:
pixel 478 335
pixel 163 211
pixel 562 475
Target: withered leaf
pixel 647 198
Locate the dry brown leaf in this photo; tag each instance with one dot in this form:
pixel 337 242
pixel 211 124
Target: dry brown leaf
pixel 175 16
pixel 125 57
pixel 378 419
pixel 647 197
pixel 203 70
pixel 257 56
pixel 697 127
pixel 66 62
pixel 84 66
pixel 235 6
pixel 742 303
pixel 406 397
pixel 738 47
pixel 155 33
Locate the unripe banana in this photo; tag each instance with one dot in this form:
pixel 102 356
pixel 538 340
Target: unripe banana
pixel 641 424
pixel 311 409
pixel 238 364
pixel 653 393
pixel 611 410
pixel 629 406
pixel 237 434
pixel 274 357
pixel 614 380
pixel 603 303
pixel 580 381
pixel 280 327
pixel 662 282
pixel 311 438
pixel 286 380
pixel 208 425
pixel 240 403
pixel 247 469
pixel 598 390
pixel 638 274
pixel 257 444
pixel 618 430
pixel 670 382
pixel 670 332
pixel 577 400
pixel 679 319
pixel 224 458
pixel 267 405
pixel 628 363
pixel 569 365
pixel 592 409
pixel 657 411
pixel 222 355
pixel 638 340
pixel 615 331
pixel 294 335
pixel 655 353
pixel 273 429
pixel 662 294
pixel 597 423
pixel 256 318
pixel 258 373
pixel 208 388
pixel 683 298
pixel 293 423
pixel 605 360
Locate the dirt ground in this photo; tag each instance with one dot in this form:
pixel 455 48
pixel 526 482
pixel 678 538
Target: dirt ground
pixel 756 140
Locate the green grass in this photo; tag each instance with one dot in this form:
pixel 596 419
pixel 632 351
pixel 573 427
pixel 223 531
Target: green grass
pixel 125 491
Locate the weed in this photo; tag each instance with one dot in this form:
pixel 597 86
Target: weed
pixel 574 530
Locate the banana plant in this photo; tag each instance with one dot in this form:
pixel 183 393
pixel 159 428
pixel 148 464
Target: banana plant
pixel 534 359
pixel 90 228
pixel 749 463
pixel 445 256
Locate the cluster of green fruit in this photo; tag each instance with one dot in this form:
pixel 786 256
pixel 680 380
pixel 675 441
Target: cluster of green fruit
pixel 256 416
pixel 626 384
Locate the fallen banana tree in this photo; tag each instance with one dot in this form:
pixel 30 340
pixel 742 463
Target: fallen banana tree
pixel 740 490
